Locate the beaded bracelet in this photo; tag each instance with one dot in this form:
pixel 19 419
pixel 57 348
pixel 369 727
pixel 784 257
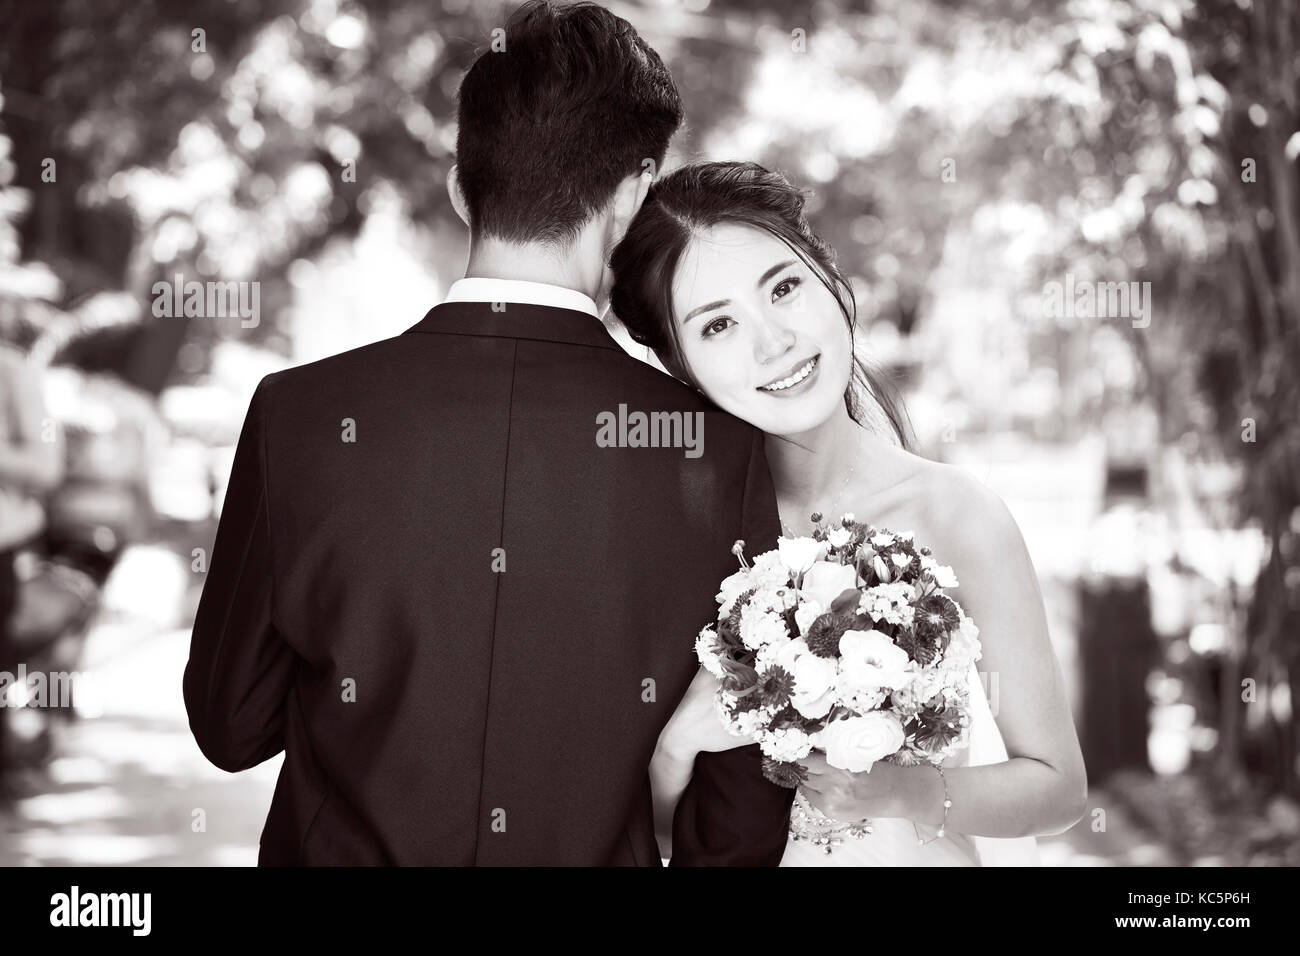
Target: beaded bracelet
pixel 946 804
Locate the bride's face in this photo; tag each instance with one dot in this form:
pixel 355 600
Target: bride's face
pixel 763 336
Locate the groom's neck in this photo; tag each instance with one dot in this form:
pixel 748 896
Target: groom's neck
pixel 574 267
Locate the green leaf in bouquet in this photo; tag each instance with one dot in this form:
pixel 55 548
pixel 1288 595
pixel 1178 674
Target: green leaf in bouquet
pixel 847 602
pixel 865 622
pixel 741 679
pixel 729 640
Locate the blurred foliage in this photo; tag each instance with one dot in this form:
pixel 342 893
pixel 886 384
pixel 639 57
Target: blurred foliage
pixel 1103 138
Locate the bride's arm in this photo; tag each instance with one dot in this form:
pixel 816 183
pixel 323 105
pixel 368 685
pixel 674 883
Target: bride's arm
pixel 694 727
pixel 1042 787
pixel 670 772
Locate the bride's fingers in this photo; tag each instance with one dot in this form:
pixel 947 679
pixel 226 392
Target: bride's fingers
pixel 814 763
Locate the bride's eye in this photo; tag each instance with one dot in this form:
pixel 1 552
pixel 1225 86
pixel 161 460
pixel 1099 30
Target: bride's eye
pixel 788 284
pixel 716 326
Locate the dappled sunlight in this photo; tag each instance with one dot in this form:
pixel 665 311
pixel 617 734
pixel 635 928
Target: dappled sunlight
pixel 1070 233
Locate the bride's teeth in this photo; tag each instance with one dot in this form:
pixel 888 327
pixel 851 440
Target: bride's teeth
pixel 794 379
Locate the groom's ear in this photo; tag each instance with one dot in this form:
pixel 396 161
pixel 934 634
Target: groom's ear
pixel 457 196
pixel 628 197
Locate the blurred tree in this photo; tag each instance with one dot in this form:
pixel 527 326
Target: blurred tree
pixel 1120 140
pixel 1183 149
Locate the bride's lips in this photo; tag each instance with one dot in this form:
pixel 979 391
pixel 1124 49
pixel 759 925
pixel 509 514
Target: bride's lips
pixel 796 379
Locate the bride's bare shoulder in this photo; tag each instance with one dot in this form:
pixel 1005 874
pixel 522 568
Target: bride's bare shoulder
pixel 965 515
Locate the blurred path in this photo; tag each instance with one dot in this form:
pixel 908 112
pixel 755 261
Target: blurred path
pixel 124 787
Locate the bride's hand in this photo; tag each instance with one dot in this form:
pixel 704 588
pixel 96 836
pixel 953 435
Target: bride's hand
pixel 695 726
pixel 847 796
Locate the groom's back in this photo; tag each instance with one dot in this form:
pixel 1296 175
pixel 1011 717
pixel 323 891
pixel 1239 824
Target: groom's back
pixel 490 590
pixel 454 580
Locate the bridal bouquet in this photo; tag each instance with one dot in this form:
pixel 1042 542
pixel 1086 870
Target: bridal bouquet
pixel 845 642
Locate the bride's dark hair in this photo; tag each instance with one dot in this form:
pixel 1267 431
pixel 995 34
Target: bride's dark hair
pixel 700 195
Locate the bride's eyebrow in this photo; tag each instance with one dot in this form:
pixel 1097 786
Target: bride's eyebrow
pixel 721 302
pixel 772 271
pixel 705 308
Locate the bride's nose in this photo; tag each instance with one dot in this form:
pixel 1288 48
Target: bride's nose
pixel 771 339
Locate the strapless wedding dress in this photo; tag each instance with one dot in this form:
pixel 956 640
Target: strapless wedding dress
pixel 894 841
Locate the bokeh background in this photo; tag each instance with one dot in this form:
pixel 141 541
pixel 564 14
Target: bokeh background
pixel 964 157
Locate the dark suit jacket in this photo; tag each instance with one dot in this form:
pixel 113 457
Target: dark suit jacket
pixel 434 709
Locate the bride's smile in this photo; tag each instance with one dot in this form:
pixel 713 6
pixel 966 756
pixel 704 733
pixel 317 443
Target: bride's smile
pixel 760 332
pixel 802 373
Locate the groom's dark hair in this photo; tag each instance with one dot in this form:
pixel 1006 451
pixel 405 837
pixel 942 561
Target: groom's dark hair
pixel 549 126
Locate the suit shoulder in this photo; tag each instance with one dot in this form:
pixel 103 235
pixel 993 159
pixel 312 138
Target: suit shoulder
pixel 650 385
pixel 731 440
pixel 342 370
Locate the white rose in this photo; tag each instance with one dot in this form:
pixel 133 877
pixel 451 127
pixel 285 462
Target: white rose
pixel 814 678
pixel 799 554
pixel 871 660
pixel 814 684
pixel 826 580
pixel 882 540
pixel 856 743
pixel 839 537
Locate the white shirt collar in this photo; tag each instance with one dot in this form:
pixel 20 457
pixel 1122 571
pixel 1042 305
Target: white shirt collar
pixel 522 292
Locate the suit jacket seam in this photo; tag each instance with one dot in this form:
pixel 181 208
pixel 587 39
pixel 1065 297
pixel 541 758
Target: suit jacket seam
pixel 496 602
pixel 627 835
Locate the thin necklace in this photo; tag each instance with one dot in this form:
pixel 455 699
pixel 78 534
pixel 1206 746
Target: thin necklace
pixel 828 512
